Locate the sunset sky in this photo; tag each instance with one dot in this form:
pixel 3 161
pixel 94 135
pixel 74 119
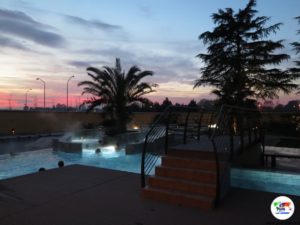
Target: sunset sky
pixel 55 39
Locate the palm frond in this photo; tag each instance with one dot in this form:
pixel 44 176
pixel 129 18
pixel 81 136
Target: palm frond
pixel 115 90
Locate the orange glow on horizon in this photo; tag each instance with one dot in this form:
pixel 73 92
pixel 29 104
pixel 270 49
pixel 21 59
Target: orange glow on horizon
pixel 14 98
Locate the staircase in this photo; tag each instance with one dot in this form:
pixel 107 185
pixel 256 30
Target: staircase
pixel 196 175
pixel 184 179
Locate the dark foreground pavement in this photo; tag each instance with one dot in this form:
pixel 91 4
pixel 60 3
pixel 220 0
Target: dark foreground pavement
pixel 81 195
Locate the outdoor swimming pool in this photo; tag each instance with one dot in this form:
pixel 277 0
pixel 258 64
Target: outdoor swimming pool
pixel 12 165
pixel 16 164
pixel 277 182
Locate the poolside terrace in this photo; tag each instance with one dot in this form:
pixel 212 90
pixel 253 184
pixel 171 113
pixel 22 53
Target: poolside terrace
pixel 88 195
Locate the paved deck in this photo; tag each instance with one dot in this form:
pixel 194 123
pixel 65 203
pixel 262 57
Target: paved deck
pixel 81 195
pixel 251 158
pixel 205 144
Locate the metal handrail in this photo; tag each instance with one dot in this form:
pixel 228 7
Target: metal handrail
pixel 199 125
pixel 186 125
pixel 161 129
pixel 225 125
pixel 231 121
pixel 145 168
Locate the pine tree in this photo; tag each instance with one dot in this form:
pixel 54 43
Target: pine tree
pixel 239 60
pixel 296 45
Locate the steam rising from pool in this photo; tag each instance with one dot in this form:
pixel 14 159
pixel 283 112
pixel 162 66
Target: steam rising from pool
pixel 87 143
pixel 92 153
pixel 105 151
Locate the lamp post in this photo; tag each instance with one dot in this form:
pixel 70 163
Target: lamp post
pixel 68 91
pixel 26 93
pixel 44 91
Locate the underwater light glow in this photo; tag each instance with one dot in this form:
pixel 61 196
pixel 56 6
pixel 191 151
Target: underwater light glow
pixel 212 126
pixel 105 151
pixel 135 127
pixel 109 151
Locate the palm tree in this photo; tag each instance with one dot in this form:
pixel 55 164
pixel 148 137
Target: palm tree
pixel 116 91
pixel 296 48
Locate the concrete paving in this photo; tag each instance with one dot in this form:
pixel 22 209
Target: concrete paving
pixel 82 195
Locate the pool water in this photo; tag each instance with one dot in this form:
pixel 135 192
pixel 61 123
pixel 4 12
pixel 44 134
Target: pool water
pixel 16 164
pixel 12 165
pixel 269 181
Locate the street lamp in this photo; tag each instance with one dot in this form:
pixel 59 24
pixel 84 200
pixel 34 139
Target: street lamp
pixel 26 93
pixel 44 91
pixel 68 91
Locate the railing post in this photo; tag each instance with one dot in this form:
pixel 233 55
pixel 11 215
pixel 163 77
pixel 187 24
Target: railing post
pixel 255 129
pixel 262 139
pixel 199 125
pixel 273 161
pixel 249 132
pixel 241 128
pixel 231 133
pixel 218 182
pixel 186 125
pixel 259 118
pixel 210 123
pixel 167 131
pixel 143 178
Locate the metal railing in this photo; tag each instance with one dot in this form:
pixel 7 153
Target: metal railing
pixel 176 125
pixel 236 130
pixel 232 130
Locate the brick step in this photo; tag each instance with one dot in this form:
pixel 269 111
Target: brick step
pixel 186 174
pixel 183 185
pixel 178 198
pixel 194 154
pixel 182 128
pixel 183 153
pixel 179 162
